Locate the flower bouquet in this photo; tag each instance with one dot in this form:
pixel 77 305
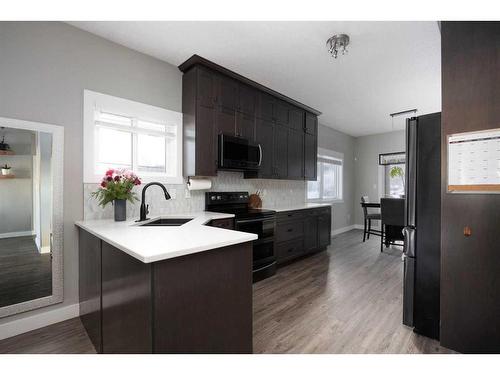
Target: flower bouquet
pixel 116 187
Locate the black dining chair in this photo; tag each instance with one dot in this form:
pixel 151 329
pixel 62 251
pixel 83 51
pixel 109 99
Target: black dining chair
pixel 368 217
pixel 392 211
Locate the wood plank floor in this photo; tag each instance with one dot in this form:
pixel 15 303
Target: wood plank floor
pixel 347 299
pixel 25 274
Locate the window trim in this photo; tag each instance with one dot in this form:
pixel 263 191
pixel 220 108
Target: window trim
pixel 329 154
pixel 94 101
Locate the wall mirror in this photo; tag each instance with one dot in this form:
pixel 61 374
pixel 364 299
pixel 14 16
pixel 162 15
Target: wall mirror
pixel 31 215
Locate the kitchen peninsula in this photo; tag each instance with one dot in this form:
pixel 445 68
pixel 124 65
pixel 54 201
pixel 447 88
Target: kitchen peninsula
pixel 166 289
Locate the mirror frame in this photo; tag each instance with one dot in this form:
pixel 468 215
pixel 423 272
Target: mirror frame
pixel 57 295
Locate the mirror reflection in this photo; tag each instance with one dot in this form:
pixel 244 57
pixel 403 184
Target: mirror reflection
pixel 25 215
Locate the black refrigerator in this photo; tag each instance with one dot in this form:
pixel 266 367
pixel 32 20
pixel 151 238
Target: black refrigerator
pixel 422 231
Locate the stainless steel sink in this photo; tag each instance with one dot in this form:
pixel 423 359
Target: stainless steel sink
pixel 165 222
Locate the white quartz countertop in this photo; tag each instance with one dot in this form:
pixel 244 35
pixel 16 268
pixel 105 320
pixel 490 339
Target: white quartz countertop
pixel 155 243
pixel 302 206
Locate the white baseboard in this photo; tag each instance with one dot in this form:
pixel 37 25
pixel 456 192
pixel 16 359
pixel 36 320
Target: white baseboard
pixel 16 327
pixel 16 234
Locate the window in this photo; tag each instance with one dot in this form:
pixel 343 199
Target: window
pixel 120 133
pixel 394 182
pixel 328 186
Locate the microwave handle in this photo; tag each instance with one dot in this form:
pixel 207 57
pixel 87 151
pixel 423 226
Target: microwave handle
pixel 260 154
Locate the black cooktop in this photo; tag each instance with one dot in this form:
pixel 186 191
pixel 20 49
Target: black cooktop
pixel 234 203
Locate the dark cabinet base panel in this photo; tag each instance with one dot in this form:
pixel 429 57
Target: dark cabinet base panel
pixel 199 303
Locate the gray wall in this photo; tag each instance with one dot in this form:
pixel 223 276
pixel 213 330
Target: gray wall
pixel 332 139
pixel 44 68
pixel 368 174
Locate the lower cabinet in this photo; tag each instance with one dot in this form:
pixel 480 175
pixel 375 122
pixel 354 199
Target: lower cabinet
pixel 197 304
pixel 301 232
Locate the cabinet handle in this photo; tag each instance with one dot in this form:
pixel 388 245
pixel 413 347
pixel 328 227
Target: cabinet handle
pixel 289 230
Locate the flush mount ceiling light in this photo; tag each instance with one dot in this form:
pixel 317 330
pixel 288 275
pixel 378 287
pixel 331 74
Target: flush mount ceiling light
pixel 338 43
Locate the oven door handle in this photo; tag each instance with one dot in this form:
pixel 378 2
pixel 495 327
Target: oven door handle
pixel 260 154
pixel 252 220
pixel 264 267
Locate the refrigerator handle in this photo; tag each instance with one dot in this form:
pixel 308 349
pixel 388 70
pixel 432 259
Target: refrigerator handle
pixel 408 242
pixel 411 171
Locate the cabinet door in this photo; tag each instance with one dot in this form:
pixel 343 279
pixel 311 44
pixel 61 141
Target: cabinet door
pixel 227 93
pixel 225 121
pixel 247 100
pixel 311 124
pixel 264 135
pixel 281 112
pixel 296 119
pixel 245 126
pixel 206 88
pixel 311 232
pixel 206 142
pixel 295 154
pixel 280 151
pixel 89 249
pixel 310 156
pixel 265 106
pixel 324 230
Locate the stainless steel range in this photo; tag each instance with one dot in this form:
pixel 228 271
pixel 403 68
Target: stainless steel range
pixel 259 221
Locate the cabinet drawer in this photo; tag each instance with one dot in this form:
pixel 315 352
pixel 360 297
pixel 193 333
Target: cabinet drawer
pixel 289 230
pixel 289 250
pixel 321 211
pixel 290 215
pixel 223 223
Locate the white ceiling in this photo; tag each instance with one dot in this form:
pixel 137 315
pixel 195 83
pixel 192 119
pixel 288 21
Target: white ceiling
pixel 390 67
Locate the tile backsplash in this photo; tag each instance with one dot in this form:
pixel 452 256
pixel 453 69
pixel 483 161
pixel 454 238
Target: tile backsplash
pixel 275 193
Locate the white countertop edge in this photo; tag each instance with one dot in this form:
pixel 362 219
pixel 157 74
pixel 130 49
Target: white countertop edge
pixel 199 219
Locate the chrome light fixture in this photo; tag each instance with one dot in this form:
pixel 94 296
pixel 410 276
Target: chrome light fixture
pixel 338 43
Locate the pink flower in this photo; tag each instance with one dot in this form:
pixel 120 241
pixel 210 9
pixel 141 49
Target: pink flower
pixel 109 178
pixel 117 178
pixel 110 172
pixel 104 184
pixel 137 181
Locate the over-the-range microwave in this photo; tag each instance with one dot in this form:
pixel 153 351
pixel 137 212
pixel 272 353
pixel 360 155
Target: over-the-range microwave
pixel 238 153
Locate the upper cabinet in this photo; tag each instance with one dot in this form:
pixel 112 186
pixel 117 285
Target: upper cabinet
pixel 219 101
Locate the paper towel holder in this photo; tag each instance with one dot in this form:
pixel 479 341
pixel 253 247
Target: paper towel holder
pixel 190 180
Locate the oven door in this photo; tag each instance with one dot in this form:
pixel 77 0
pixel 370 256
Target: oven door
pixel 238 153
pixel 263 247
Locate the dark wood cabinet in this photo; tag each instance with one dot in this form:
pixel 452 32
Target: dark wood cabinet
pixel 245 126
pixel 218 101
pixel 227 93
pixel 205 85
pixel 198 107
pixel 280 151
pixel 264 135
pixel 310 157
pixel 296 119
pixel 295 157
pixel 311 232
pixel 302 232
pixel 281 112
pixel 247 99
pixel 89 264
pixel 265 106
pixel 311 124
pixel 195 304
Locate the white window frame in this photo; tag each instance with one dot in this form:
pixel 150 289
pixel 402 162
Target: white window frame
pixel 333 155
pixel 94 101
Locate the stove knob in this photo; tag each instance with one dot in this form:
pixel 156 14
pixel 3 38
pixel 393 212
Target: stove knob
pixel 219 197
pixel 213 197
